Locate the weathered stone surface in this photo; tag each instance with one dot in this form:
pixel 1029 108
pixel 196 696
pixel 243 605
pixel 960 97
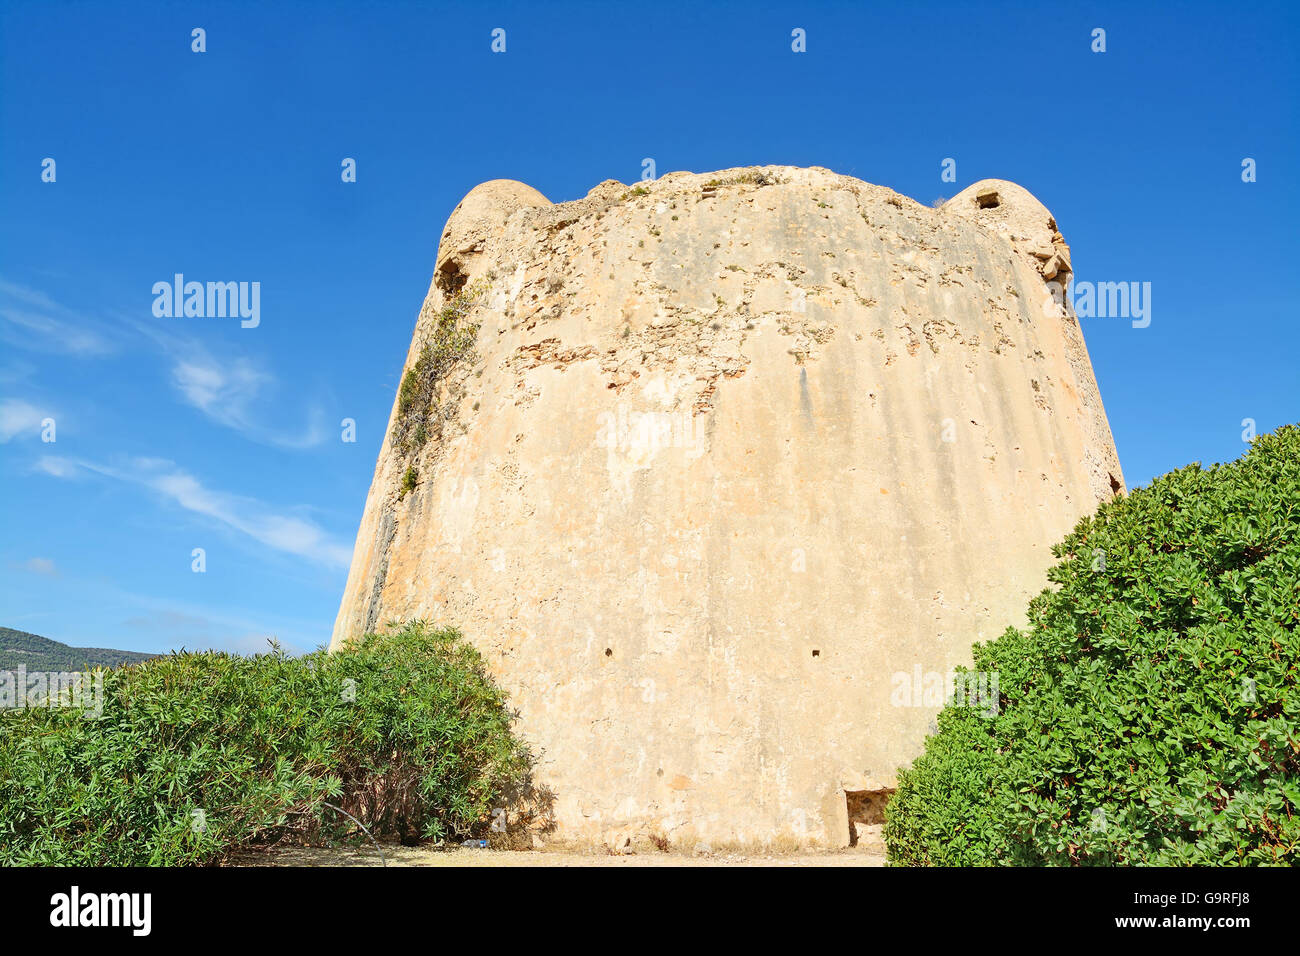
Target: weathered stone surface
pixel 740 460
pixel 622 841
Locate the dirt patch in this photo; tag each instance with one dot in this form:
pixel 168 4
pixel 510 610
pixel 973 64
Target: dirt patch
pixel 397 855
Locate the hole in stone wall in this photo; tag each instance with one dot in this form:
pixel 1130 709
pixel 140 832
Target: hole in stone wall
pixel 988 200
pixel 609 652
pixel 451 279
pixel 866 814
pixel 817 653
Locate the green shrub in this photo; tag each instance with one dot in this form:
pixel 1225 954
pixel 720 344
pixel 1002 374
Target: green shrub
pixel 1150 713
pixel 198 754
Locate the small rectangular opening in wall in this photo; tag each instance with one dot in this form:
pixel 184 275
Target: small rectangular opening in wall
pixel 866 814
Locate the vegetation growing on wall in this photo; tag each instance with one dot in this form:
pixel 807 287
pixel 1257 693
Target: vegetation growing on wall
pixel 420 413
pixel 198 754
pixel 1151 712
pixel 409 480
pixel 750 177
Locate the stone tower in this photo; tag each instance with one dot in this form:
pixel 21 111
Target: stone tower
pixel 722 474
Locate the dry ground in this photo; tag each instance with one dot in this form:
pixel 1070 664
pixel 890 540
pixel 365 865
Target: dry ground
pixel 398 855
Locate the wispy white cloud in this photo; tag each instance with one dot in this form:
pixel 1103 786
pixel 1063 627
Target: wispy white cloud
pixel 219 392
pixel 233 391
pixel 32 320
pixel 57 467
pixel 43 566
pixel 228 392
pixel 18 417
pixel 283 532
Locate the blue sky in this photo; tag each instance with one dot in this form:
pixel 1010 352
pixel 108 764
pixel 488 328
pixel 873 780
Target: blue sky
pixel 177 433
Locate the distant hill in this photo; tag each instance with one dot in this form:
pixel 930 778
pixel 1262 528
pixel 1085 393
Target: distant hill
pixel 38 653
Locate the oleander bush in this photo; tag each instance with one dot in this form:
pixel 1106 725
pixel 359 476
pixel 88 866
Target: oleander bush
pixel 1150 713
pixel 197 754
